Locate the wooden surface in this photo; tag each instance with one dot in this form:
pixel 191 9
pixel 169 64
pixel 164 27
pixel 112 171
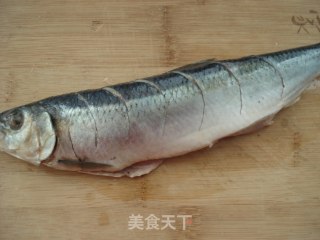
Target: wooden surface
pixel 259 186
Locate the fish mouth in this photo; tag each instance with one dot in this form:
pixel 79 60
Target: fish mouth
pixel 2 135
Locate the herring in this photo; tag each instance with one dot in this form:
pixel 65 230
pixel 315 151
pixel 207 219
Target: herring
pixel 127 129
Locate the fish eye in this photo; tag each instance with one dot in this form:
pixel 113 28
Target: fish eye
pixel 15 120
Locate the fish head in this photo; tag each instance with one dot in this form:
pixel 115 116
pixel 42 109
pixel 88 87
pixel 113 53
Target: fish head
pixel 27 133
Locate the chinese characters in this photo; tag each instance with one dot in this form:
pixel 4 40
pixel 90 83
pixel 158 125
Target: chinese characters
pixel 152 222
pixel 306 23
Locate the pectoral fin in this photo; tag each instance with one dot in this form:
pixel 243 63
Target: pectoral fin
pixel 135 170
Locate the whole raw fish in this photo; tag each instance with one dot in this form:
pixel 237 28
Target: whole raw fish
pixel 127 129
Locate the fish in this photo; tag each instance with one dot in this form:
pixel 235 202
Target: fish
pixel 128 129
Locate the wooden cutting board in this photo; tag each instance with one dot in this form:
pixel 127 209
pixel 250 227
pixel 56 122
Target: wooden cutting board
pixel 259 186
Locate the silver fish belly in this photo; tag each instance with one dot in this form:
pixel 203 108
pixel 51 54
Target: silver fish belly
pixel 126 129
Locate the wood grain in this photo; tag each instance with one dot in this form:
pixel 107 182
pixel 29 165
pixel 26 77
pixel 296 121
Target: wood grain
pixel 259 186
